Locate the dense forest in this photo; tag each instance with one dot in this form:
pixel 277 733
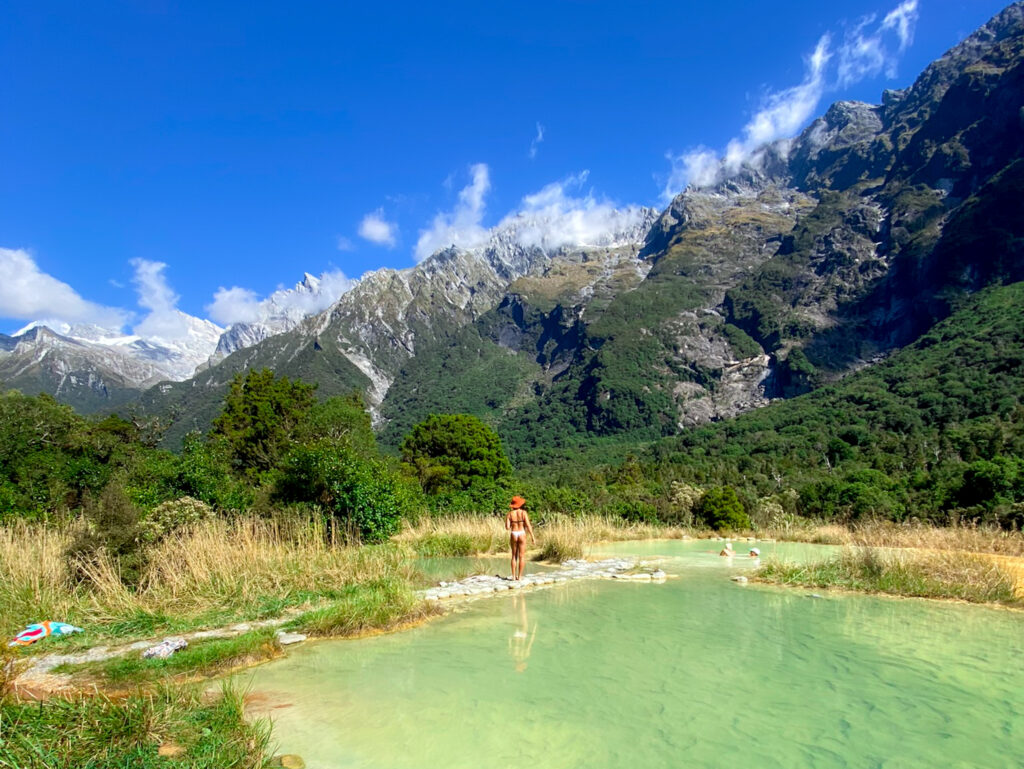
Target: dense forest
pixel 934 432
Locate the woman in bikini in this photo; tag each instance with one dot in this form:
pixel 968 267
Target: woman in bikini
pixel 517 522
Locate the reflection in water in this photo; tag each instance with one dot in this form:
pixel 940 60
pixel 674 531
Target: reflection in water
pixel 680 674
pixel 521 641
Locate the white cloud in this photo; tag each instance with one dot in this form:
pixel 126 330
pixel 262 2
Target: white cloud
pixel 241 305
pixel 28 293
pixel 536 141
pixel 376 229
pixel 864 53
pixel 234 305
pixel 345 244
pixel 552 218
pixel 903 18
pixel 164 321
pixel 460 226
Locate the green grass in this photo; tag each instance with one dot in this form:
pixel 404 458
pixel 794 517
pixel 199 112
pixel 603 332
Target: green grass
pixel 450 544
pixel 958 575
pixel 559 549
pixel 376 605
pixel 201 658
pixel 96 732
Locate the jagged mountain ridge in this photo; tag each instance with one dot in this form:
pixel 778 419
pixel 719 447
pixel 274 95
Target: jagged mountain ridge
pixel 282 311
pixel 820 256
pixel 93 368
pixel 366 338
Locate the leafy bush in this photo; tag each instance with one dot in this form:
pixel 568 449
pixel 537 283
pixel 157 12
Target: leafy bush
pixel 170 517
pixel 112 526
pixel 362 493
pixel 721 509
pixel 454 451
pixel 683 500
pixel 636 511
pixel 261 413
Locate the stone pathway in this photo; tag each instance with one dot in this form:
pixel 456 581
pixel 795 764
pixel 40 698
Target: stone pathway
pixel 486 585
pixel 38 673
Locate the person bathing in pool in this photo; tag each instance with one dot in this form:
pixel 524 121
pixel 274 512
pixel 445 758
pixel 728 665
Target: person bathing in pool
pixel 517 522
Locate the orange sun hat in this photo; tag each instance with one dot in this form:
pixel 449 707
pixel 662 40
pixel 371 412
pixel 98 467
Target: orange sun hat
pixel 517 502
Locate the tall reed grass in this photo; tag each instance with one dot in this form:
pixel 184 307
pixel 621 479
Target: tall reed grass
pixel 217 571
pixel 975 577
pixel 558 538
pixel 971 539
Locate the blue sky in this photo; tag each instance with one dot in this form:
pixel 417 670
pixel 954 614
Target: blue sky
pixel 241 144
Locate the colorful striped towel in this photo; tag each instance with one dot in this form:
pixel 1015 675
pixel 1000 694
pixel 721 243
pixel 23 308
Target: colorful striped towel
pixel 33 633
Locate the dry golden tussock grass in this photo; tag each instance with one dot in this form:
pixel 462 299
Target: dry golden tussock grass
pixel 969 539
pixel 558 538
pixel 216 566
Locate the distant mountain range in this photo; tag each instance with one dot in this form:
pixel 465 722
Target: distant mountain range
pixel 820 256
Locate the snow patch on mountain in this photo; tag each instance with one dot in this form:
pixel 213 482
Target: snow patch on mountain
pixel 252 320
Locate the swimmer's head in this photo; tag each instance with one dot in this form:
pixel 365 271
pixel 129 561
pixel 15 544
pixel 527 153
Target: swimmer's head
pixel 754 552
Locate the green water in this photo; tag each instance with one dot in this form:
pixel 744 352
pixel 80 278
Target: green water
pixel 696 672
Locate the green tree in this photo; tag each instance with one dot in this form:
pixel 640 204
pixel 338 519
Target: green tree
pixel 260 417
pixel 721 509
pixel 361 492
pixel 341 420
pixel 112 526
pixel 454 451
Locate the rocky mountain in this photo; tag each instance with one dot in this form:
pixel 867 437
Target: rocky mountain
pixel 94 368
pixel 820 256
pixel 373 331
pixel 282 311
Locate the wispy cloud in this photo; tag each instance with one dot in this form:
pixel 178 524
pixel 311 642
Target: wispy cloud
pixel 242 305
pixel 345 244
pixel 536 142
pixel 28 293
pixel 553 217
pixel 864 52
pixel 460 226
pixel 903 19
pixel 376 229
pixel 164 321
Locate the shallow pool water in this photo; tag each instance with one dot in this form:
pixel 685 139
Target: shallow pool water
pixel 697 672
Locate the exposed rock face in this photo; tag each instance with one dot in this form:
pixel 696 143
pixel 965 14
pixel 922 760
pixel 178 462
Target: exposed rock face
pixel 94 368
pixel 282 311
pixel 821 254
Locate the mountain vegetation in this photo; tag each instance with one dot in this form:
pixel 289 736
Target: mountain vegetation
pixel 832 331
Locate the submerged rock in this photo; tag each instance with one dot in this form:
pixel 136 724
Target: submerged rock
pixel 287 639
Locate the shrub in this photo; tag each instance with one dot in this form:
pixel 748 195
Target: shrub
pixel 721 509
pixel 683 500
pixel 636 511
pixel 361 493
pixel 454 451
pixel 173 516
pixel 111 526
